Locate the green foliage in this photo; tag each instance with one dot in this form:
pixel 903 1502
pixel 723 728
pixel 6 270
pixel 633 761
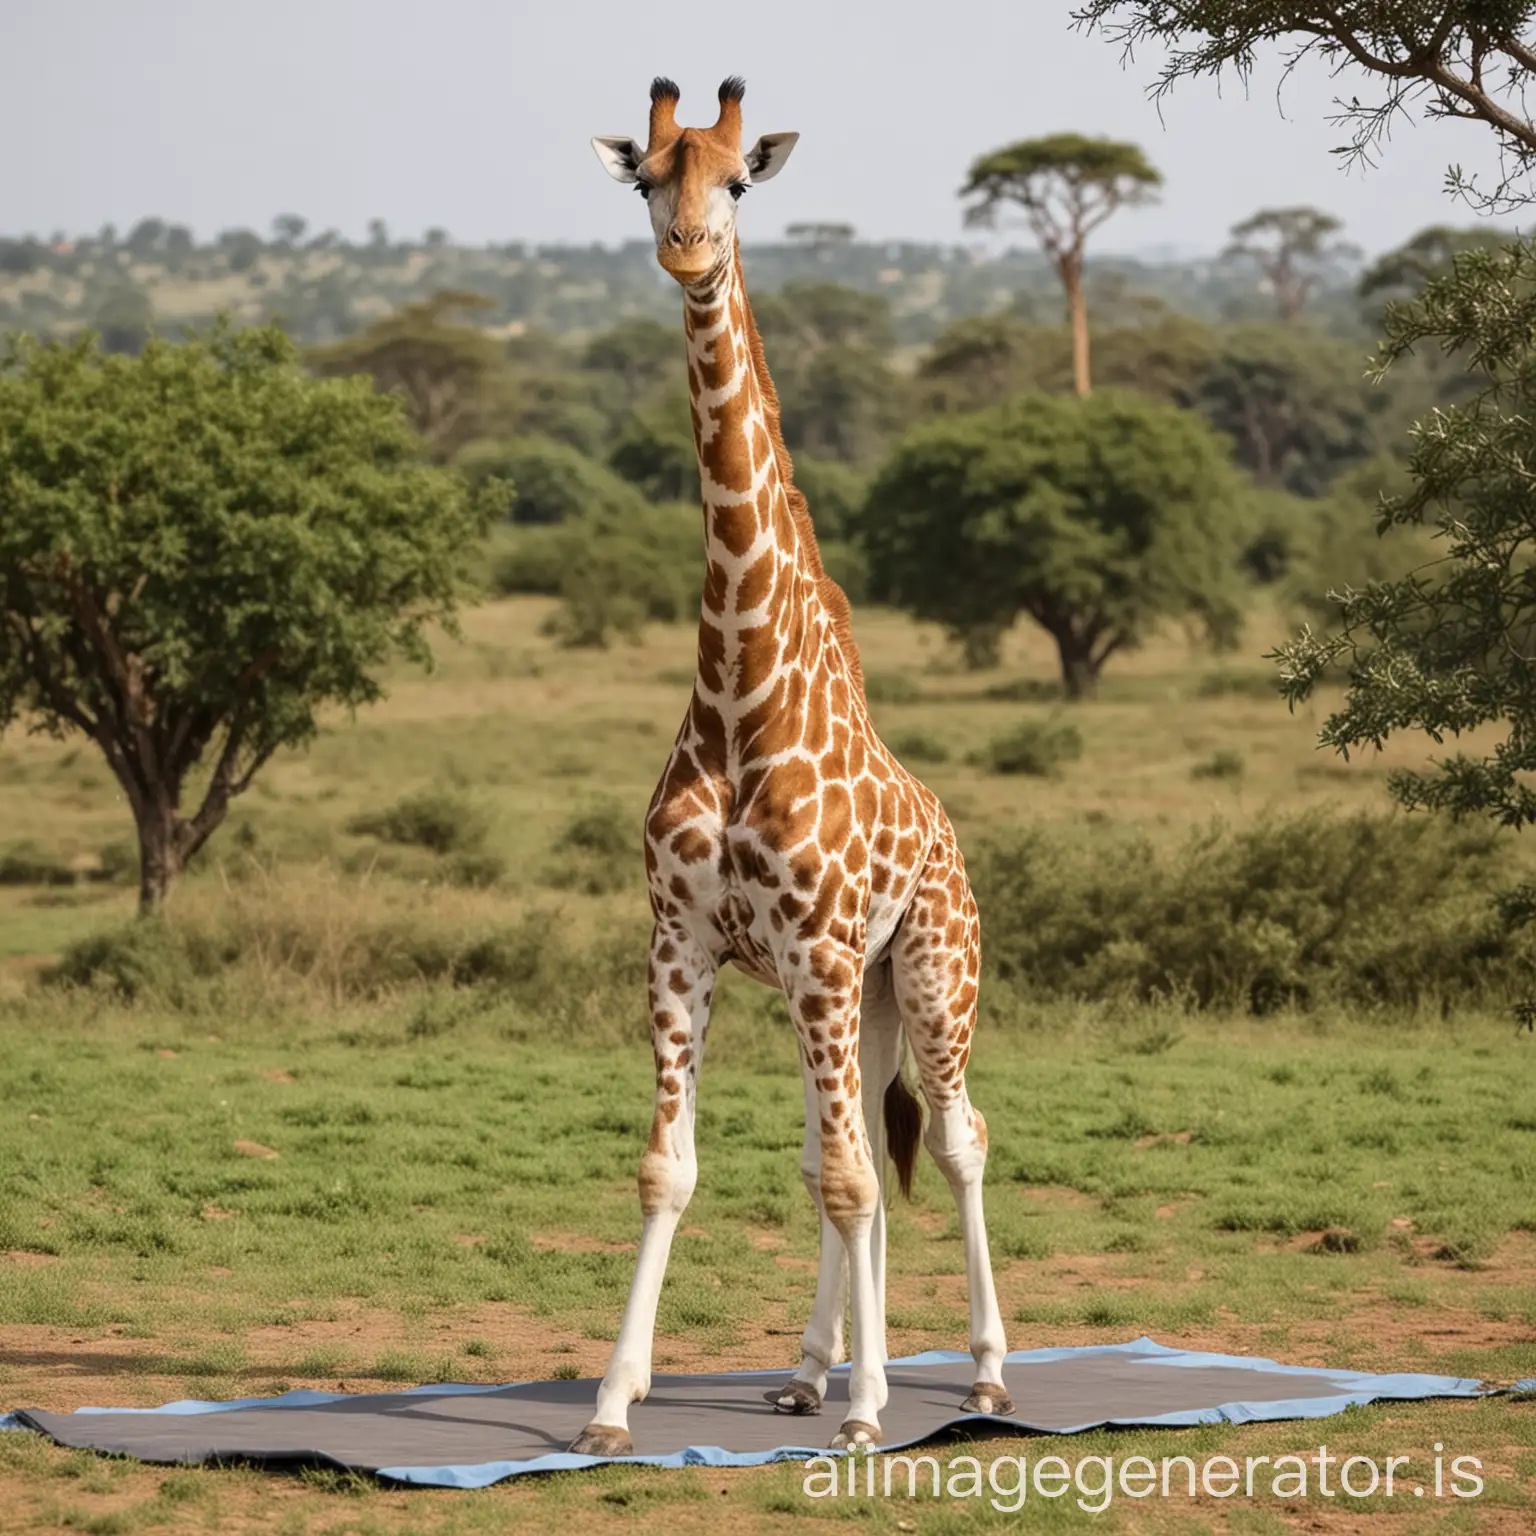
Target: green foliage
pixel 1094 517
pixel 918 746
pixel 551 482
pixel 1039 749
pixel 639 353
pixel 1342 545
pixel 597 851
pixel 441 820
pixel 1359 910
pixel 1445 649
pixel 1297 407
pixel 1224 763
pixel 1399 276
pixel 619 572
pixel 445 371
pixel 1091 176
pixel 199 549
pixel 809 316
pixel 655 453
pixel 984 359
pixel 24 863
pixel 834 491
pixel 1394 58
pixel 531 562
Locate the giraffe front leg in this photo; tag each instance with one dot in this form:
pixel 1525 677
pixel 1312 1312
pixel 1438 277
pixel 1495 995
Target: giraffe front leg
pixel 821 1345
pixel 824 1004
pixel 682 980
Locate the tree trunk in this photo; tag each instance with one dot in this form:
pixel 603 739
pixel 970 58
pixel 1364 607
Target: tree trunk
pixel 1077 304
pixel 1079 670
pixel 160 857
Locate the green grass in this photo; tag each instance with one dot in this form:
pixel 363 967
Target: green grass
pixel 450 1063
pixel 122 1165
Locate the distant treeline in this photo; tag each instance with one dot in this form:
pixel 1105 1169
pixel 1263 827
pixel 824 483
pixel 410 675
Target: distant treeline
pixel 322 287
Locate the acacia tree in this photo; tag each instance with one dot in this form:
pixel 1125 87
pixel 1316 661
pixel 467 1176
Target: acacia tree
pixel 199 548
pixel 1289 246
pixel 1469 59
pixel 1449 647
pixel 1097 518
pixel 448 372
pixel 1067 185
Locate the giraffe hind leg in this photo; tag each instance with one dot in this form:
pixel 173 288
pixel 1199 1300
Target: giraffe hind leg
pixel 936 962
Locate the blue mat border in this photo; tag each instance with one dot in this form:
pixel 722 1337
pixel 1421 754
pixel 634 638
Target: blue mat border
pixel 1363 1387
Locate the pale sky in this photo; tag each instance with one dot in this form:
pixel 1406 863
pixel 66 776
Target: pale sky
pixel 474 115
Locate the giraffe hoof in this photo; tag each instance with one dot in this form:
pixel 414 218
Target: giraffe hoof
pixel 988 1397
pixel 854 1433
pixel 603 1440
pixel 798 1397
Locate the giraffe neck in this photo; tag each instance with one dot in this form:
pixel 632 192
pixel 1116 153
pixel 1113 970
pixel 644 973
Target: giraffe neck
pixel 761 570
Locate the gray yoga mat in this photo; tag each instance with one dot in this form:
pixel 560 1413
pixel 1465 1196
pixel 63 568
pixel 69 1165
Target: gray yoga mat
pixel 469 1436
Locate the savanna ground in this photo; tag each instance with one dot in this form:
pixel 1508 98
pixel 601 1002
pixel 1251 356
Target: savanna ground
pixel 319 1154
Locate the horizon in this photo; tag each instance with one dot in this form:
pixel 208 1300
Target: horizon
pixel 379 119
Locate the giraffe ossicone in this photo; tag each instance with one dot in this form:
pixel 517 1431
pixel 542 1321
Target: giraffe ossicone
pixel 786 839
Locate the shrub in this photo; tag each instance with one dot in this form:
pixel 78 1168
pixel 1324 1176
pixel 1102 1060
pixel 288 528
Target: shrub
pixel 597 852
pixel 1299 912
pixel 919 747
pixel 440 820
pixel 1226 763
pixel 617 574
pixel 552 482
pixel 1038 748
pixel 1024 690
pixel 529 563
pixel 26 864
pixel 1249 685
pixel 891 688
pixel 119 862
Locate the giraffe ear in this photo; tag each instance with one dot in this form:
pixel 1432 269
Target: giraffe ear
pixel 619 156
pixel 766 158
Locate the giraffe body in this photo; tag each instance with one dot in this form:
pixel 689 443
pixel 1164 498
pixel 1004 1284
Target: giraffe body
pixel 786 839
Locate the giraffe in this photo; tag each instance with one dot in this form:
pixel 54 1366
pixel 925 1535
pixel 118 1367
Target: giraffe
pixel 786 839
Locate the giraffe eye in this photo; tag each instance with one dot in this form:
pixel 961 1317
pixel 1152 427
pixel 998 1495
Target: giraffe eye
pixel 738 190
pixel 644 189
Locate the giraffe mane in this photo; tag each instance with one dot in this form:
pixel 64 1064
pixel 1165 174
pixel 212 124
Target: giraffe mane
pixel 832 596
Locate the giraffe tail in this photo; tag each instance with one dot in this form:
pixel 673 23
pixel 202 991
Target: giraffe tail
pixel 903 1129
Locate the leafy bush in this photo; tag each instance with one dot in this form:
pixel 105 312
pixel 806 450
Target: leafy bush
pixel 618 573
pixel 26 864
pixel 272 945
pixel 848 565
pixel 1303 911
pixel 552 482
pixel 529 563
pixel 440 820
pixel 1249 685
pixel 919 746
pixel 597 852
pixel 1038 748
pixel 1225 763
pixel 891 688
pixel 834 491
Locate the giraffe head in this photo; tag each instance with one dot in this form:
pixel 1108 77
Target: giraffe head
pixel 692 178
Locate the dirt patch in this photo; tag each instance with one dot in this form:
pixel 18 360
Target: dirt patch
pixel 275 1075
pixel 254 1149
pixel 24 1258
pixel 1175 1138
pixel 576 1242
pixel 1059 1194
